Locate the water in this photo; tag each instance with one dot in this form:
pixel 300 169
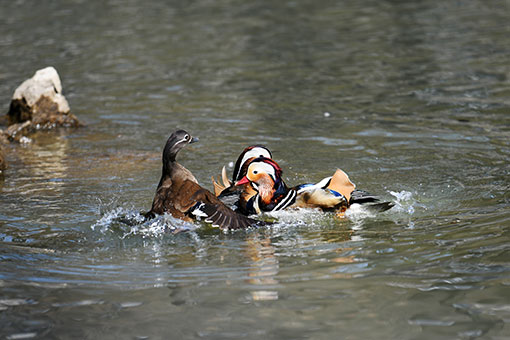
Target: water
pixel 416 96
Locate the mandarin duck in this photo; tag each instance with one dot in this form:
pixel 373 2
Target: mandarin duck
pixel 335 193
pixel 179 193
pixel 229 192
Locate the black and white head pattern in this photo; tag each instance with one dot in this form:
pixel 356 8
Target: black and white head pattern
pixel 249 153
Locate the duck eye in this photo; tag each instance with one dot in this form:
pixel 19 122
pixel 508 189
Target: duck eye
pixel 255 172
pixel 186 137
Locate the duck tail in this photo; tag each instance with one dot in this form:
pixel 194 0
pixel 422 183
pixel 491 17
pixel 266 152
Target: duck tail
pixel 369 201
pixel 380 207
pixel 361 197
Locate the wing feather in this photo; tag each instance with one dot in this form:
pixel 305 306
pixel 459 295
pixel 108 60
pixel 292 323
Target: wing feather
pixel 217 212
pixel 341 183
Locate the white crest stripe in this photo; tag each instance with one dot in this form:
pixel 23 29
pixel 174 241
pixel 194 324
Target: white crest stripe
pixel 253 153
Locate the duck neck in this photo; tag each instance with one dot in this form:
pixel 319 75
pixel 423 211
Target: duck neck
pixel 280 188
pixel 169 165
pixel 168 159
pixel 271 196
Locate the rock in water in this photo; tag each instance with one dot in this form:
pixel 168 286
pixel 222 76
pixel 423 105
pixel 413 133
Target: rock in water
pixel 40 101
pixel 3 163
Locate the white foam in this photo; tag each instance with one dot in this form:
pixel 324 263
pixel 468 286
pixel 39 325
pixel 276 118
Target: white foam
pixel 405 201
pixel 131 222
pixel 299 216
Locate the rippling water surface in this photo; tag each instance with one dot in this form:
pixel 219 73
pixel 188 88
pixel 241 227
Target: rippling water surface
pixel 411 98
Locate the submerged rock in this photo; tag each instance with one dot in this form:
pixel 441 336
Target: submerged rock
pixel 3 141
pixel 17 132
pixel 40 101
pixel 3 163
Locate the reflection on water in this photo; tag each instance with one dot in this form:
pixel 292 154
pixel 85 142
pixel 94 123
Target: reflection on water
pixel 417 101
pixel 46 166
pixel 263 269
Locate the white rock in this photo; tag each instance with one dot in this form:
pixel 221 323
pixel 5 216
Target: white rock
pixel 45 82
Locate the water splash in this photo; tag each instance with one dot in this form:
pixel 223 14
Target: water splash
pixel 131 222
pixel 405 201
pixel 357 213
pixel 297 217
pixel 114 216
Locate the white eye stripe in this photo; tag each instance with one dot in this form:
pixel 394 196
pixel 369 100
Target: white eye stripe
pixel 263 167
pixel 185 139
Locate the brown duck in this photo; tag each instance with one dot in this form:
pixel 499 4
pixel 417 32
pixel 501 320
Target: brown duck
pixel 179 193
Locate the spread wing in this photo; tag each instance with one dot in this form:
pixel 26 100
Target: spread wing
pixel 223 217
pixel 188 199
pixel 205 204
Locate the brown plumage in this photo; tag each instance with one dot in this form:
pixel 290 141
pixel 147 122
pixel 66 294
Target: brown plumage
pixel 179 193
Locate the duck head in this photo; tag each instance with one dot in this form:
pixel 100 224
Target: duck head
pixel 245 158
pixel 265 176
pixel 175 143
